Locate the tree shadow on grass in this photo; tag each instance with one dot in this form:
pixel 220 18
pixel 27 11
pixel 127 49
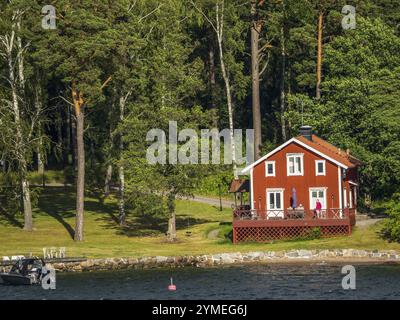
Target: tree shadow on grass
pixel 9 219
pixel 58 203
pixel 149 225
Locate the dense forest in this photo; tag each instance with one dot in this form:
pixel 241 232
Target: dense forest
pixel 79 94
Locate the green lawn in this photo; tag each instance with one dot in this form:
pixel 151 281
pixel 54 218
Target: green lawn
pixel 54 222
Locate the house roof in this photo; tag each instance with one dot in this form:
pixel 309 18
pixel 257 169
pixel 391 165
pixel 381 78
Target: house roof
pixel 332 151
pixel 239 185
pixel 318 146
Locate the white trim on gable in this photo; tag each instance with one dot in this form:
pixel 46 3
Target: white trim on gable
pixel 245 170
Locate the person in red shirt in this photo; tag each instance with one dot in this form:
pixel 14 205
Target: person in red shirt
pixel 318 208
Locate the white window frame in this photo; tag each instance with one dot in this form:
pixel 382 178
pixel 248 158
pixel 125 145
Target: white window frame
pixel 346 204
pixel 317 189
pixel 323 173
pixel 273 169
pixel 288 156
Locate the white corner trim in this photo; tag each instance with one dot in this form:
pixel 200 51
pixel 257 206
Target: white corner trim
pixel 251 189
pixel 340 191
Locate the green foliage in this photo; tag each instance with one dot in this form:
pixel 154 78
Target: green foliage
pixel 314 233
pixel 391 227
pixel 359 109
pixel 11 195
pixel 215 183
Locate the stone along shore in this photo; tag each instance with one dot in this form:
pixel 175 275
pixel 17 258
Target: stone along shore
pixel 299 256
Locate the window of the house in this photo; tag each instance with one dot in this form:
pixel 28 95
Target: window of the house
pixel 295 164
pixel 320 167
pixel 270 168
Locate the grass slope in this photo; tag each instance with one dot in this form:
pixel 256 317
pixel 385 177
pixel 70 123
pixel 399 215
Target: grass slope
pixel 144 236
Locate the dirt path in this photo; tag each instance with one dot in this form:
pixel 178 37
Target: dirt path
pixel 213 234
pixel 213 201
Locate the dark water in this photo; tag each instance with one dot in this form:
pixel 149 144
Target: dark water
pixel 311 281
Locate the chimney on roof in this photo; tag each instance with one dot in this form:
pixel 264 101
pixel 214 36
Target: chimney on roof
pixel 306 132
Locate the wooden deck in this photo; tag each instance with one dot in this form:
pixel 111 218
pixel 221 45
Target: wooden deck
pixel 262 226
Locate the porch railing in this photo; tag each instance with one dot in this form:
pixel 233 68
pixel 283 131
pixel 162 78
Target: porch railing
pixel 297 214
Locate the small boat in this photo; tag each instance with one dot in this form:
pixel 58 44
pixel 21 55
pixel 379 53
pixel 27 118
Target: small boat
pixel 24 272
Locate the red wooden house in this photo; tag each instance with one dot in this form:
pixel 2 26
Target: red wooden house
pixel 285 185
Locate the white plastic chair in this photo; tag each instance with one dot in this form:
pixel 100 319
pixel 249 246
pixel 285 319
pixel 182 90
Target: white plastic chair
pixel 53 252
pixel 62 252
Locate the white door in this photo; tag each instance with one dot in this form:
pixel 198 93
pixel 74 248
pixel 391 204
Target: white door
pixel 320 194
pixel 274 203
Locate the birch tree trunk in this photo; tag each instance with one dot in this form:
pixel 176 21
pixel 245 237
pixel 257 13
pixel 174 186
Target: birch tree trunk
pixel 20 58
pixel 212 81
pixel 255 75
pixel 8 43
pixel 80 183
pixel 220 30
pixel 121 172
pixel 319 56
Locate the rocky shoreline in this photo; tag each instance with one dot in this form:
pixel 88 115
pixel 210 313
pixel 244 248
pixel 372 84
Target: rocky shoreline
pixel 291 256
pixel 300 256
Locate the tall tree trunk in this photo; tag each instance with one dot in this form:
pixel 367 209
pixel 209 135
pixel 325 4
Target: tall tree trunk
pixel 212 82
pixel 40 157
pixel 121 172
pixel 74 140
pixel 107 182
pixel 219 31
pixel 255 76
pixel 20 58
pixel 109 171
pixel 319 55
pixel 282 97
pixel 172 217
pixel 80 181
pixel 26 196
